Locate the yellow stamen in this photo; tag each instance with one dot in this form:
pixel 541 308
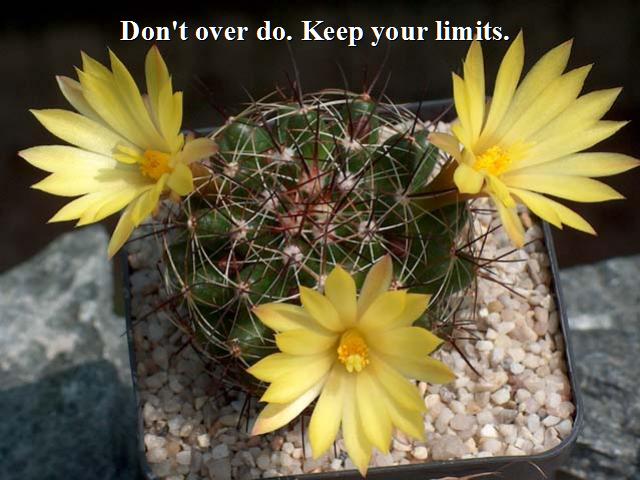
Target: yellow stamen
pixel 494 161
pixel 353 351
pixel 154 164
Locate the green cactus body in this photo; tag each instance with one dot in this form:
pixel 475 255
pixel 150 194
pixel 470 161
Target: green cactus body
pixel 301 188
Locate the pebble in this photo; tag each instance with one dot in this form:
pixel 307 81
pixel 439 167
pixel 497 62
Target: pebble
pixel 550 421
pixel 484 346
pixel 501 396
pixel 229 420
pixel 184 457
pixel 400 446
pixel 263 462
pixel 448 447
pixel 533 422
pixel 484 417
pixel 564 428
pixel 491 445
pixel 488 431
pixel 157 455
pixel 553 400
pixel 220 451
pixel 156 381
pixel 288 448
pixel 442 422
pixel 204 441
pixel 219 469
pixel 462 422
pixel 420 452
pixel 516 368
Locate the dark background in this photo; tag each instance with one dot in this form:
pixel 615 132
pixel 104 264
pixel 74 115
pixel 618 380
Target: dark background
pixel 35 45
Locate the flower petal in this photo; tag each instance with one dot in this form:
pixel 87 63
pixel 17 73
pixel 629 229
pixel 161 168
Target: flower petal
pixel 321 309
pixel 583 113
pixel 275 365
pixel 538 204
pixel 578 189
pixel 376 283
pixel 468 179
pixel 77 207
pixel 572 219
pixel 474 82
pixel 551 102
pixel 103 97
pixel 545 71
pixel 327 414
pixel 276 415
pixel 405 342
pixel 425 369
pixel 147 202
pixel 561 214
pixel 62 158
pixel 397 386
pixel 282 317
pixel 410 422
pixel 157 75
pixel 170 116
pixel 510 221
pixel 415 305
pixel 355 439
pixel 79 131
pixel 372 411
pixel 305 342
pixel 340 289
pixel 445 142
pixel 461 129
pixel 72 91
pixel 113 202
pixel 181 180
pixel 566 143
pixel 197 149
pixel 506 83
pixel 130 95
pixel 292 383
pixel 68 184
pixel 586 164
pixel 122 232
pixel 383 311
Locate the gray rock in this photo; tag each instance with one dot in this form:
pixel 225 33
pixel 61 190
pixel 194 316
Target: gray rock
pixel 65 396
pixel 602 301
pixel 57 311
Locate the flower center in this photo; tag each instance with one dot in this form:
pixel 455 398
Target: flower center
pixel 494 161
pixel 154 164
pixel 353 351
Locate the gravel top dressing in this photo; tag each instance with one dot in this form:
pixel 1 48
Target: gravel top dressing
pixel 516 402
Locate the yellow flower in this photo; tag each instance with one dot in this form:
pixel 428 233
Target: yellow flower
pixel 356 354
pixel 127 148
pixel 527 141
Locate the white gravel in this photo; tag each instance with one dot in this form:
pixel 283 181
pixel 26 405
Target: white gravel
pixel 521 404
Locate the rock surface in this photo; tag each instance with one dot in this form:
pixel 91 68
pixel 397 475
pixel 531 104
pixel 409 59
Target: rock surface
pixel 65 399
pixel 604 312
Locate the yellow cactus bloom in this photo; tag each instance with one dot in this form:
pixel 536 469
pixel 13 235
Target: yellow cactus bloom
pixel 126 149
pixel 356 354
pixel 527 141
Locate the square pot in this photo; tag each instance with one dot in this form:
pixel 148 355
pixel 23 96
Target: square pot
pixel 525 467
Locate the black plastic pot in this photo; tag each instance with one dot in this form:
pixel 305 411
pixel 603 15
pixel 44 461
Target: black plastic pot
pixel 526 467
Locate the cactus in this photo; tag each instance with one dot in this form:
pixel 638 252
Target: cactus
pixel 295 189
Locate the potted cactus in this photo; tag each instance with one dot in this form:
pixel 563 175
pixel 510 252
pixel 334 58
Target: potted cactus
pixel 327 269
